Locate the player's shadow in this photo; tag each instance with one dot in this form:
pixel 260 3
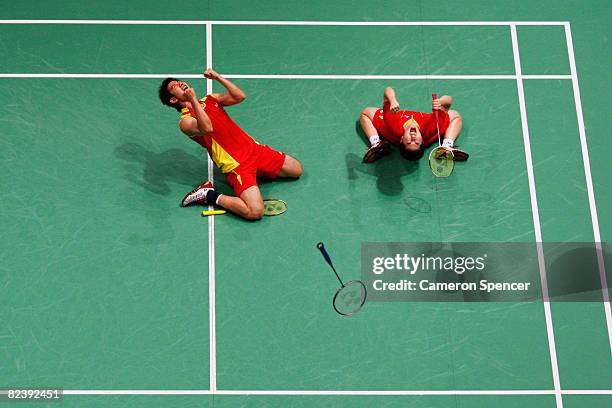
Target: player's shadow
pixel 388 170
pixel 155 171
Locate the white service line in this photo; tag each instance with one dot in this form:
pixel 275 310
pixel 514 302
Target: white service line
pixel 547 77
pixel 286 76
pixel 100 76
pixel 361 77
pixel 337 392
pixel 393 23
pixel 589 183
pixel 291 23
pixel 536 219
pixel 108 22
pixel 211 242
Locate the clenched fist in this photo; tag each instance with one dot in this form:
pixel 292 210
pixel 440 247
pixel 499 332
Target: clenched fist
pixel 190 94
pixel 435 104
pixel 211 74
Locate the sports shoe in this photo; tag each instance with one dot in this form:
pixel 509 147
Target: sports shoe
pixel 197 195
pixel 460 155
pixel 377 151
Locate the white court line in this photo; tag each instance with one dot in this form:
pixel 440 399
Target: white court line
pixel 292 23
pixel 337 392
pixel 211 242
pixel 536 219
pixel 547 77
pixel 98 76
pixel 398 77
pixel 287 76
pixel 361 77
pixel 589 183
pixel 393 23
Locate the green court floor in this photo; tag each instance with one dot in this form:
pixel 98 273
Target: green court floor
pixel 109 287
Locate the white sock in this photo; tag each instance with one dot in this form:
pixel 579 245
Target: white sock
pixel 217 200
pixel 374 139
pixel 447 143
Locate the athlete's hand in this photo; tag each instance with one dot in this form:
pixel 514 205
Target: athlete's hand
pixel 191 95
pixel 435 104
pixel 211 74
pixel 394 107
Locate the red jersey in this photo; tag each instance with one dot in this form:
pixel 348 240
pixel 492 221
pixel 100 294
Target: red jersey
pixel 391 125
pixel 228 145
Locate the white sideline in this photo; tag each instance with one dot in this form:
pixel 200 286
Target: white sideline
pixel 536 219
pixel 589 182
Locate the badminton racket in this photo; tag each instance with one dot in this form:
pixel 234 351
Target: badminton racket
pixel 350 296
pixel 441 159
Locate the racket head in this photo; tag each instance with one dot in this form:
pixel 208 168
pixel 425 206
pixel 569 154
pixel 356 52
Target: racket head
pixel 350 297
pixel 441 161
pixel 274 206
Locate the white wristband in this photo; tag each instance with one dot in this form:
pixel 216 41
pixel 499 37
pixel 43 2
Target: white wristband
pixel 447 143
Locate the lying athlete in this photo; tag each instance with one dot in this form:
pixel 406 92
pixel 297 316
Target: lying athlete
pixel 236 153
pixel 410 131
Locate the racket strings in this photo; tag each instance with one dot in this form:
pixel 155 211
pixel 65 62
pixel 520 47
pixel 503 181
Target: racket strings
pixel 350 298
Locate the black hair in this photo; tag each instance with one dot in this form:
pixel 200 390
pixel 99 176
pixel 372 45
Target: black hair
pixel 412 155
pixel 165 95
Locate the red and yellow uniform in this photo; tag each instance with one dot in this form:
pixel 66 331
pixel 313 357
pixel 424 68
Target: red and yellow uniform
pixel 236 153
pixel 391 125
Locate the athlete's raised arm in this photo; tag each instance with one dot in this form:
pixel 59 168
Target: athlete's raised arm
pixel 390 97
pixel 233 95
pixel 201 124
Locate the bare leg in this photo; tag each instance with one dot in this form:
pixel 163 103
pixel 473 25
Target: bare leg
pixel 291 168
pixel 455 125
pixel 446 101
pixel 249 205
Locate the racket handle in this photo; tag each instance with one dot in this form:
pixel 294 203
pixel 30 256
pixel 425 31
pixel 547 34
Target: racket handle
pixel 321 248
pixel 433 97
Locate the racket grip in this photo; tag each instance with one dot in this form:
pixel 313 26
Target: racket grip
pixel 435 96
pixel 321 248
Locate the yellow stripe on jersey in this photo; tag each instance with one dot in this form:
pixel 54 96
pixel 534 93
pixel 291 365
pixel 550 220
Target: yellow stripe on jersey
pixel 185 112
pixel 223 159
pixel 411 121
pixel 238 177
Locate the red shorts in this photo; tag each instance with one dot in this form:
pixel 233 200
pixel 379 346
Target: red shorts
pixel 266 162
